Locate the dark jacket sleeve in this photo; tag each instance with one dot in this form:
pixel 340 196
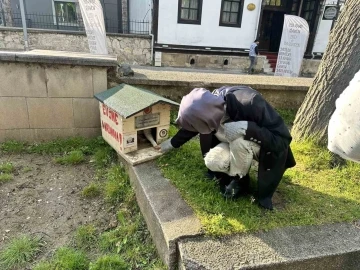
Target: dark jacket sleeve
pixel 268 129
pixel 182 137
pixel 256 50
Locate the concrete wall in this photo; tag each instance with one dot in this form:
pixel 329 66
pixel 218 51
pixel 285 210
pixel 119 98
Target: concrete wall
pixel 43 102
pixel 130 49
pixel 209 33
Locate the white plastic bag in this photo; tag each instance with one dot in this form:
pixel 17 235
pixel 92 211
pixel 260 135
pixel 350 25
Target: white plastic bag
pixel 344 125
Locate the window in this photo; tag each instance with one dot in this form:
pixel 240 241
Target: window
pixel 190 11
pixel 277 3
pixel 231 12
pixel 65 12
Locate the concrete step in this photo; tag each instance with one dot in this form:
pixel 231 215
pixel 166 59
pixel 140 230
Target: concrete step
pixel 268 70
pixel 328 247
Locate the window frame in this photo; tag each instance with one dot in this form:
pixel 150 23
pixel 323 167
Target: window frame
pixel 55 15
pixel 239 17
pixel 184 21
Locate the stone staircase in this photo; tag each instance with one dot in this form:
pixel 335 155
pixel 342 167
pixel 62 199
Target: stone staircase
pixel 270 62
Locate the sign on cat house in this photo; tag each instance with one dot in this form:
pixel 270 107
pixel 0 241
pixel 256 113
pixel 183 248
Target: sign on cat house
pixel 133 120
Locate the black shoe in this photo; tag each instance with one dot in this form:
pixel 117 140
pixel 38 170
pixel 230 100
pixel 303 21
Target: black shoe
pixel 237 187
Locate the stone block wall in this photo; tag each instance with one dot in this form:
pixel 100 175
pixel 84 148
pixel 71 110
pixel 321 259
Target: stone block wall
pixel 210 61
pixel 129 49
pixel 40 102
pixel 310 67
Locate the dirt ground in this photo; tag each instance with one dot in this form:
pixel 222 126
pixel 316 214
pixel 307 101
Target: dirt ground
pixel 45 198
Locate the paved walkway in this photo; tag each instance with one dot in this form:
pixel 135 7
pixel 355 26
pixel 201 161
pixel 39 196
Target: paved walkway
pixel 215 76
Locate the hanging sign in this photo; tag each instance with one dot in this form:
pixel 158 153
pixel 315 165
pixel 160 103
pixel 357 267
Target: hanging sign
pixel 330 13
pixel 93 17
pixel 293 44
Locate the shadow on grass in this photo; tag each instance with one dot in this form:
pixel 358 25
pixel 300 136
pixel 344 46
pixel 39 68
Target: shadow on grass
pixel 310 194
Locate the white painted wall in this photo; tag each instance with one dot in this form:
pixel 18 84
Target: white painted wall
pixel 323 31
pixel 209 33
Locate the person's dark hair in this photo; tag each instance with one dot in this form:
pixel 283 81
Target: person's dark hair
pixel 256 40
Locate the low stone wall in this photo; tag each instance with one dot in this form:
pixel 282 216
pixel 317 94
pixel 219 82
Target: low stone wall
pixel 210 61
pixel 241 63
pixel 49 96
pixel 310 67
pixel 129 49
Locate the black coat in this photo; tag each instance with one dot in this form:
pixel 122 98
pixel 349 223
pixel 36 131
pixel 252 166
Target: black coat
pixel 265 127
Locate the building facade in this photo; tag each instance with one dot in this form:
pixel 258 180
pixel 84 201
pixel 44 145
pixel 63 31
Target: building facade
pixel 121 16
pixel 228 27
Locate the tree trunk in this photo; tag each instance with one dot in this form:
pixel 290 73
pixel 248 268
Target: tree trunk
pixel 5 13
pixel 340 62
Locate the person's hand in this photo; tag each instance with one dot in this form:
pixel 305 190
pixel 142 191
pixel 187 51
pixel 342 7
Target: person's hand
pixel 165 147
pixel 235 129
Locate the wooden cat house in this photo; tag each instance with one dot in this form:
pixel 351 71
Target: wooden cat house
pixel 130 118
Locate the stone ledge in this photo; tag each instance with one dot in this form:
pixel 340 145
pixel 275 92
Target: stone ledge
pixel 193 84
pixel 59 57
pixel 167 215
pixel 327 247
pixel 80 33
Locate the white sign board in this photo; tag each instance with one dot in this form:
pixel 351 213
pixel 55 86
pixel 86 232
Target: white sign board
pixel 292 46
pixel 93 17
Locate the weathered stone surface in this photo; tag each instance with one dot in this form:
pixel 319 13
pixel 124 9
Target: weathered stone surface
pixel 128 48
pixel 52 134
pixel 13 113
pixel 65 81
pixel 327 247
pixel 18 79
pixel 99 80
pixel 167 215
pixel 21 135
pixel 87 132
pixel 309 67
pixel 86 113
pixel 50 113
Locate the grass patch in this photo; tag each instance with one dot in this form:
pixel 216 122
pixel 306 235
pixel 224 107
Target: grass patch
pixel 109 262
pixel 72 158
pixel 60 146
pixel 20 251
pixel 314 192
pixel 93 190
pixel 117 187
pixel 86 237
pixel 70 259
pixel 7 167
pixel 129 245
pixel 5 177
pixel 288 115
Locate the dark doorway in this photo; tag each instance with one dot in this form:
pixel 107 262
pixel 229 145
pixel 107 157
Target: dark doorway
pixel 271 30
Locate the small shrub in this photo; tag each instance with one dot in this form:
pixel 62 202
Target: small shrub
pixel 7 167
pixel 86 237
pixel 73 158
pixel 91 191
pixel 12 147
pixel 108 241
pixel 109 262
pixel 5 177
pixel 70 259
pixel 20 251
